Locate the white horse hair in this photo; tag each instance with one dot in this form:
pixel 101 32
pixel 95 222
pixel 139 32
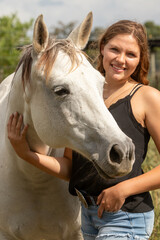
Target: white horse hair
pixel 59 94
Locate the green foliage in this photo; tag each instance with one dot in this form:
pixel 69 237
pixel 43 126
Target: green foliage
pixel 62 30
pixel 13 34
pixel 153 160
pixel 96 33
pixel 153 30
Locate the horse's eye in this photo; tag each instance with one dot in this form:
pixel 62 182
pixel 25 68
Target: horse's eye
pixel 61 91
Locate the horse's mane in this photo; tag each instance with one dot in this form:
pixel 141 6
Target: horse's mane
pixel 47 57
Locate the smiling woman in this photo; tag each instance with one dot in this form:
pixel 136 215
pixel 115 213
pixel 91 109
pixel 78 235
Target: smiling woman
pixel 121 56
pixel 123 60
pixel 137 36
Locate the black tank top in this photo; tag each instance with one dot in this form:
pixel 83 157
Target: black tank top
pixel 84 175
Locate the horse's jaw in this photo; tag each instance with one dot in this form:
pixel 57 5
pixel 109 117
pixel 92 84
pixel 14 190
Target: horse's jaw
pixel 31 173
pixel 35 142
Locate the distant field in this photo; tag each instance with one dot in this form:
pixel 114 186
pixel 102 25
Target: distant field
pixel 152 160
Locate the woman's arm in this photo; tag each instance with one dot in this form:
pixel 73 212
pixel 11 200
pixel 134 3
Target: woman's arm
pixel 150 180
pixel 113 198
pixel 59 166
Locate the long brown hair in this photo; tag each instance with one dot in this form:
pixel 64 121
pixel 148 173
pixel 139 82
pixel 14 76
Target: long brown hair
pixel 139 33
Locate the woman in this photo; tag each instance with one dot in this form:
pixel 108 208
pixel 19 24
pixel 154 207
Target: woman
pixel 118 208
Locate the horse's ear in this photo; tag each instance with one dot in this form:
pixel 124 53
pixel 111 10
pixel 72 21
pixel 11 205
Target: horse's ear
pixel 40 35
pixel 81 34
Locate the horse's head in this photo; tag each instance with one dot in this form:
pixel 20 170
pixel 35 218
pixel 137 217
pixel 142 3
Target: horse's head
pixel 64 98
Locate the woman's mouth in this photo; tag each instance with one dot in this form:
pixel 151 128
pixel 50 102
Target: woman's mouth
pixel 118 68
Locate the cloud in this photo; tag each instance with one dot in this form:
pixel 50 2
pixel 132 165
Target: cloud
pixel 50 3
pixel 105 12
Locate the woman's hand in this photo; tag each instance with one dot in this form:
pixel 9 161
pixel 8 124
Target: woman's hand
pixel 110 199
pixel 60 167
pixel 17 134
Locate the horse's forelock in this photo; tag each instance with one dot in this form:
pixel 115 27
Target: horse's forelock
pixel 47 58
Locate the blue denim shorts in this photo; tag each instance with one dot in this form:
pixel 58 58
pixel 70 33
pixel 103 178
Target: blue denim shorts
pixel 116 226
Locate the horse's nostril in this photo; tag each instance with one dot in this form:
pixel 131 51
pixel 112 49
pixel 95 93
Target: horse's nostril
pixel 116 154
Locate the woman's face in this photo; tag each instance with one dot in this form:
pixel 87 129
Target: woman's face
pixel 121 55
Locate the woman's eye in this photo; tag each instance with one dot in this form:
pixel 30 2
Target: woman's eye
pixel 61 91
pixel 114 49
pixel 131 55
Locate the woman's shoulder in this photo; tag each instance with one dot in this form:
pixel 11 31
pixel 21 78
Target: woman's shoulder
pixel 149 93
pixel 146 99
pixel 146 105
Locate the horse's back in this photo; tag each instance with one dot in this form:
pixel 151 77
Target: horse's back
pixel 5 88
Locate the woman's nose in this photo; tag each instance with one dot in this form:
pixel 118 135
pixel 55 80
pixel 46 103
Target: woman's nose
pixel 121 58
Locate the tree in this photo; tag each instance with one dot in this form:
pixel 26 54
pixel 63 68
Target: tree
pixel 153 30
pixel 13 34
pixel 96 33
pixel 62 30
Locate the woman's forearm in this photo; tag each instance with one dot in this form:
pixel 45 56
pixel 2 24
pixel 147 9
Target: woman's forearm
pixel 59 167
pixel 146 182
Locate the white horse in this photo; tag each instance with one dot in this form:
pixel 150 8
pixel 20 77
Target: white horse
pixel 60 96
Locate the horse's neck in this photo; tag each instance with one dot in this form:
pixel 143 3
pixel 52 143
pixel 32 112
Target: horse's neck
pixel 17 102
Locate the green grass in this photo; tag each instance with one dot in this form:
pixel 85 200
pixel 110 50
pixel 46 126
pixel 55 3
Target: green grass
pixel 152 160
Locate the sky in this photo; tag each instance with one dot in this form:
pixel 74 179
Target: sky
pixel 105 12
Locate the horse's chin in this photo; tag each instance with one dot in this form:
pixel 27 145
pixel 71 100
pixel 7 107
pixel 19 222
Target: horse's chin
pixel 101 172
